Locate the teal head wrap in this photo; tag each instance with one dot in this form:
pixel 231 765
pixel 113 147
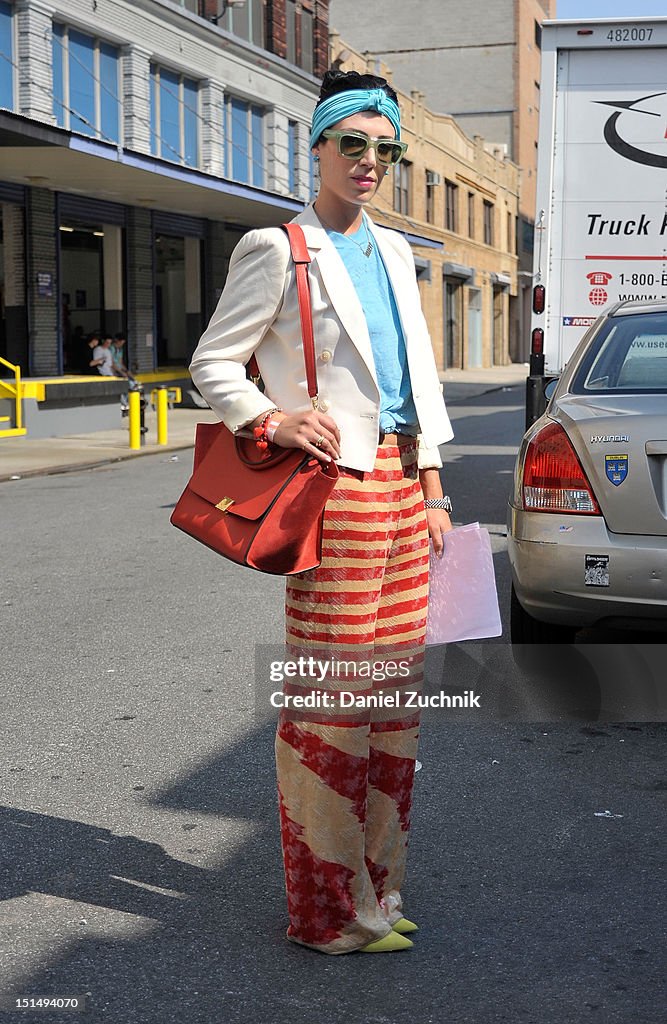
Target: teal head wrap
pixel 344 104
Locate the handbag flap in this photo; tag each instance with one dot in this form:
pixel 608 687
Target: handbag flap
pixel 222 476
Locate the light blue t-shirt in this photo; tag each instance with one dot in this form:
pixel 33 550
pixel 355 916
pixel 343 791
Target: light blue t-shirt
pixel 371 281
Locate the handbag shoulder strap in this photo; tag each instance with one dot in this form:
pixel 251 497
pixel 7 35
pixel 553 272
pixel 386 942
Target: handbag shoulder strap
pixel 301 259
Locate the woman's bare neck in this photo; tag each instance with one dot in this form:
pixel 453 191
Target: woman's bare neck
pixel 338 216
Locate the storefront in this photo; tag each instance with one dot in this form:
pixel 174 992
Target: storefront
pixel 475 326
pixel 13 310
pixel 149 261
pixel 500 284
pixel 91 275
pixel 455 276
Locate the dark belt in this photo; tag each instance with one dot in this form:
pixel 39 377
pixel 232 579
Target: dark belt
pixel 396 439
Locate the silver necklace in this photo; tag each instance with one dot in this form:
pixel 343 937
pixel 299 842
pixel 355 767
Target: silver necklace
pixel 365 249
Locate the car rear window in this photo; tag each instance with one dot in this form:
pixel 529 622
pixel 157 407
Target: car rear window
pixel 629 354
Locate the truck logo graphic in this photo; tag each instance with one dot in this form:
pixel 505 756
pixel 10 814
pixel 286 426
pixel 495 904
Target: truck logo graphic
pixel 599 277
pixel 597 296
pixel 618 144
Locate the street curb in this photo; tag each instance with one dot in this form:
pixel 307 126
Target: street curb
pixel 60 470
pixel 478 394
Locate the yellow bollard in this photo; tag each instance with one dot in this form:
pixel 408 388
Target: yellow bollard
pixel 134 414
pixel 162 406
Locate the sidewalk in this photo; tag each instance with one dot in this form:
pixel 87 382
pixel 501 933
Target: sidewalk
pixel 460 385
pixel 22 456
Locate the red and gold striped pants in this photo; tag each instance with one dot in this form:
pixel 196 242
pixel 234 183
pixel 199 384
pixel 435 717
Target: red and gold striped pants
pixel 345 778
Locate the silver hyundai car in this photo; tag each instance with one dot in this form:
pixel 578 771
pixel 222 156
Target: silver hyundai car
pixel 587 524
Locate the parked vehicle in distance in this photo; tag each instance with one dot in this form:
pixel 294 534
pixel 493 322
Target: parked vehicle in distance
pixel 587 524
pixel 600 219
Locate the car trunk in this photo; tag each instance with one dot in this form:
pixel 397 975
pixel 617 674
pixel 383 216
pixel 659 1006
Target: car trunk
pixel 629 478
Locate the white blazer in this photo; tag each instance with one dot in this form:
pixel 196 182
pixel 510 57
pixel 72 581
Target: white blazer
pixel 258 312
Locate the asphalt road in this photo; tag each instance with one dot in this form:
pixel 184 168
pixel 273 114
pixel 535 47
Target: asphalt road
pixel 139 849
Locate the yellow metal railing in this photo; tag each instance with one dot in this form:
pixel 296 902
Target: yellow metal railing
pixel 12 391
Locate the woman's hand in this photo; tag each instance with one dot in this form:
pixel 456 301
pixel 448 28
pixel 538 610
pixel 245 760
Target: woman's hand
pixel 437 518
pixel 438 523
pixel 304 429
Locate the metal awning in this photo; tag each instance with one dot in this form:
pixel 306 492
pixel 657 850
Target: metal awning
pixel 428 243
pixel 458 270
pixel 501 280
pixel 32 153
pixel 423 268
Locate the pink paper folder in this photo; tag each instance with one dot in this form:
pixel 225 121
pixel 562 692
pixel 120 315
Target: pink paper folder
pixel 463 601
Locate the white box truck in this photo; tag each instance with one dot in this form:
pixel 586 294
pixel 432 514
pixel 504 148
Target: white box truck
pixel 601 218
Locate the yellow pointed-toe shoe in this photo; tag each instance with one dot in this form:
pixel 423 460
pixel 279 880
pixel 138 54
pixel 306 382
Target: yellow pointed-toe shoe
pixel 405 927
pixel 390 943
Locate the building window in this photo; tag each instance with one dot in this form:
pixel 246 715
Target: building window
pixel 86 95
pixel 174 117
pixel 430 197
pixel 538 35
pixel 488 222
pixel 510 240
pixel 290 30
pixel 299 29
pixel 527 235
pixel 245 21
pixel 292 153
pixel 307 26
pixel 451 203
pixel 245 141
pixel 313 180
pixel 471 214
pixel 402 187
pixel 6 57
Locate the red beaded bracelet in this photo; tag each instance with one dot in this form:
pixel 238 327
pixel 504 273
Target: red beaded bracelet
pixel 259 433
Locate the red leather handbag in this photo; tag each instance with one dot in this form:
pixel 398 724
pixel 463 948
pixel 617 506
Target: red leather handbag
pixel 262 509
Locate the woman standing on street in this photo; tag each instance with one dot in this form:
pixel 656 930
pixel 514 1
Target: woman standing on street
pixel 344 783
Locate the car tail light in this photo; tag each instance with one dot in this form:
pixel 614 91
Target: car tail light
pixel 553 477
pixel 538 298
pixel 537 342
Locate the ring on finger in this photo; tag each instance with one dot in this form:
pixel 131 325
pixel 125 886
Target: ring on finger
pixel 320 441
